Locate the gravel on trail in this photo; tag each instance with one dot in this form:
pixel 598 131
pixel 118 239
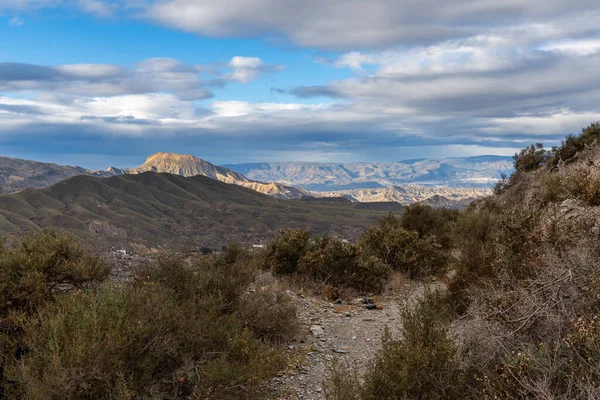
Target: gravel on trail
pixel 349 332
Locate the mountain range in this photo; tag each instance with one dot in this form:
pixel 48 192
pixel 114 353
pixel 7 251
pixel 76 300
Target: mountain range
pixel 149 210
pixel 17 174
pixel 437 197
pixel 449 182
pixel 187 165
pixel 459 172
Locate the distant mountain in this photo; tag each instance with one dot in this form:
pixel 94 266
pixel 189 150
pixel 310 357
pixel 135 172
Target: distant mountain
pixel 479 171
pixel 187 165
pixel 17 174
pixel 434 196
pixel 151 210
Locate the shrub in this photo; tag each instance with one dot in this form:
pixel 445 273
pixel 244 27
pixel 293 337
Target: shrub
pixel 418 365
pixel 270 315
pixel 578 182
pixel 573 144
pixel 181 329
pixel 31 274
pixel 404 250
pixel 341 263
pixel 530 158
pixel 284 252
pixel 428 221
pixel 476 253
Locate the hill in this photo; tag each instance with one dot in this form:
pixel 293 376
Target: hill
pixel 17 174
pixel 479 171
pixel 164 210
pixel 188 165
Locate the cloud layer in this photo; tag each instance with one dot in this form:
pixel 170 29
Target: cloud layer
pixel 485 73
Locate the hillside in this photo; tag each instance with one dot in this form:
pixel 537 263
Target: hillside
pixel 165 210
pixel 187 165
pixel 479 171
pixel 17 174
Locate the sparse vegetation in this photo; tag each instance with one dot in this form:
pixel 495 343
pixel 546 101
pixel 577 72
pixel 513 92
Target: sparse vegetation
pixel 517 317
pixel 522 308
pixel 180 329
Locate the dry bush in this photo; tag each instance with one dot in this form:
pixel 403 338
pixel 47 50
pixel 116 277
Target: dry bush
pixel 181 329
pixel 270 314
pixel 30 276
pixel 420 364
pixel 513 333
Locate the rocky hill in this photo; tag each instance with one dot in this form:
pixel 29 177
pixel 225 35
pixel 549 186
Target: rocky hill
pixel 479 171
pixel 155 210
pixel 435 196
pixel 188 165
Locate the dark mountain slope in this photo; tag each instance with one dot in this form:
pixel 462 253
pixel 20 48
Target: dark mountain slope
pixel 164 210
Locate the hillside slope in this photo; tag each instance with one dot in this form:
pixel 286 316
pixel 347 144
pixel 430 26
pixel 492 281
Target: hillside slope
pixel 167 210
pixel 187 165
pixel 17 174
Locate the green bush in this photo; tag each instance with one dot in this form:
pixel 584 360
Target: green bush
pixel 404 250
pixel 420 364
pixel 576 143
pixel 530 158
pixel 284 252
pixel 341 263
pixel 428 221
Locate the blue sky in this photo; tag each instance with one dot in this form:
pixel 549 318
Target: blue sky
pixel 99 83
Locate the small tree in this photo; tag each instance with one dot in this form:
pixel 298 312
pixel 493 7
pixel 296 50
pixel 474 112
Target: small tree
pixel 530 158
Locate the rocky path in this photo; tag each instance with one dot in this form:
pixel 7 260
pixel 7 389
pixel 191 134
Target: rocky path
pixel 349 332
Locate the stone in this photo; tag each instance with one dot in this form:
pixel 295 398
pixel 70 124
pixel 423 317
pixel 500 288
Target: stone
pixel 317 330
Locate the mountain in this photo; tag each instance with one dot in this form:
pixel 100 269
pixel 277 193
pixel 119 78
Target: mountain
pixel 479 171
pixel 150 210
pixel 17 174
pixel 188 165
pixel 405 195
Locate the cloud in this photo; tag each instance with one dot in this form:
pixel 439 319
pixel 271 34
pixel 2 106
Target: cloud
pixel 344 24
pixel 15 21
pixel 149 76
pixel 96 7
pixel 247 69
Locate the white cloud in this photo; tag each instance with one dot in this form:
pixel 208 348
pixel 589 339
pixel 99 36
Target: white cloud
pixel 15 21
pixel 357 23
pixel 247 69
pixel 100 8
pixel 580 47
pixel 186 81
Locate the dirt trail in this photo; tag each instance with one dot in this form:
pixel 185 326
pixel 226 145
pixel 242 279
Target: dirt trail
pixel 348 332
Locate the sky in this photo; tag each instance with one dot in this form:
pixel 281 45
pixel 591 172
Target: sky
pixel 107 83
